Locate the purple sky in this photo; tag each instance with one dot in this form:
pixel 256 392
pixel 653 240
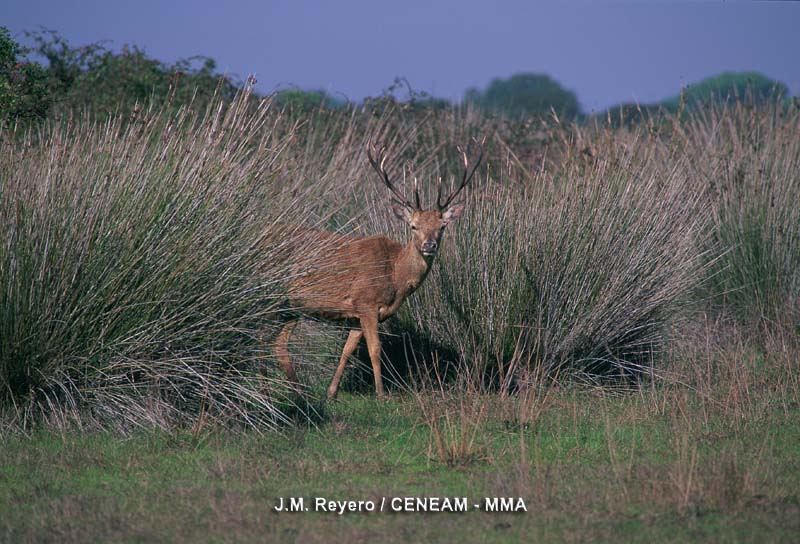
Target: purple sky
pixel 606 52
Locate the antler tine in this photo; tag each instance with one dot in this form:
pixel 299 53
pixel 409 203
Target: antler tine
pixel 417 204
pixel 380 167
pixel 468 173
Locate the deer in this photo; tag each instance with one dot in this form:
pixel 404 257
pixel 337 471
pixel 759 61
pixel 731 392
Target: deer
pixel 364 281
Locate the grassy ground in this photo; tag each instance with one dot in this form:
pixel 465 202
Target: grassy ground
pixel 653 464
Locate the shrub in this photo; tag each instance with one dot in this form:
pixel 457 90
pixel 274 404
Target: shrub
pixel 747 157
pixel 104 81
pixel 137 276
pixel 23 84
pixel 585 266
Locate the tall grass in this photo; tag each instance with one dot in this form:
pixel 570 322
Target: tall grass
pixel 137 276
pixel 145 260
pixel 586 264
pixel 747 158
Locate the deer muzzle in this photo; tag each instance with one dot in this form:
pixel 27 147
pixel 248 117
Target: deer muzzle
pixel 429 247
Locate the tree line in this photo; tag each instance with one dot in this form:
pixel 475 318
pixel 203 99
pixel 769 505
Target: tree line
pixel 103 80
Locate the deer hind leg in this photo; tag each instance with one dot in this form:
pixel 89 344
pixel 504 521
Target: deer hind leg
pixel 349 347
pixel 369 325
pixel 280 346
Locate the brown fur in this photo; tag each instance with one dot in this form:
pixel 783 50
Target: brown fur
pixel 363 280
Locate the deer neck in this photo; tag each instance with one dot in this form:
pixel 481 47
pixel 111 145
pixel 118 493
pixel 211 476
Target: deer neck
pixel 411 268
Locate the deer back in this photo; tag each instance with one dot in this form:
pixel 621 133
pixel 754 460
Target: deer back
pixel 343 276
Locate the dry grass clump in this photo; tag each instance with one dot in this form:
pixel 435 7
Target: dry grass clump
pixel 138 278
pixel 584 265
pixel 747 159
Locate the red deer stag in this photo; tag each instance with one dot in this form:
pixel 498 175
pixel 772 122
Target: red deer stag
pixel 365 280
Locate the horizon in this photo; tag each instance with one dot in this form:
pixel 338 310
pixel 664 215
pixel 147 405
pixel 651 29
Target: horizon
pixel 608 54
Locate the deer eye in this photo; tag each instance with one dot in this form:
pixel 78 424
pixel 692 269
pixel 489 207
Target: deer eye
pixel 413 227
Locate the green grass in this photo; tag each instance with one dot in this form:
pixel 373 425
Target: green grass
pixel 579 477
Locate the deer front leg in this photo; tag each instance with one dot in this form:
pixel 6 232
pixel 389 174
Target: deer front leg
pixel 349 347
pixel 369 326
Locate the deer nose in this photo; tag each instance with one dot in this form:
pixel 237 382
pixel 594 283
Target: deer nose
pixel 429 246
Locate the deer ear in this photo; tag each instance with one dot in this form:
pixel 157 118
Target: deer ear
pixel 452 213
pixel 402 212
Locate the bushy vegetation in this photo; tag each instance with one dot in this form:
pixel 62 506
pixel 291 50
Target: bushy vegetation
pixel 729 87
pixel 52 76
pixel 23 84
pixel 136 286
pixel 99 79
pixel 139 264
pixel 306 101
pixel 747 160
pixel 520 286
pixel 717 91
pixel 533 95
pixel 145 264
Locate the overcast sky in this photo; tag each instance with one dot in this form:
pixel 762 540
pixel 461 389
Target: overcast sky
pixel 606 52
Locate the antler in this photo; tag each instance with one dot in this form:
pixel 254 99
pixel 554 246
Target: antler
pixel 379 166
pixel 468 173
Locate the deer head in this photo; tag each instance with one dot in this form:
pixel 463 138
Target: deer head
pixel 427 226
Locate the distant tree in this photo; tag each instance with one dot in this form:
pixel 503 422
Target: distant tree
pixel 526 95
pixel 721 88
pixel 729 86
pixel 23 84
